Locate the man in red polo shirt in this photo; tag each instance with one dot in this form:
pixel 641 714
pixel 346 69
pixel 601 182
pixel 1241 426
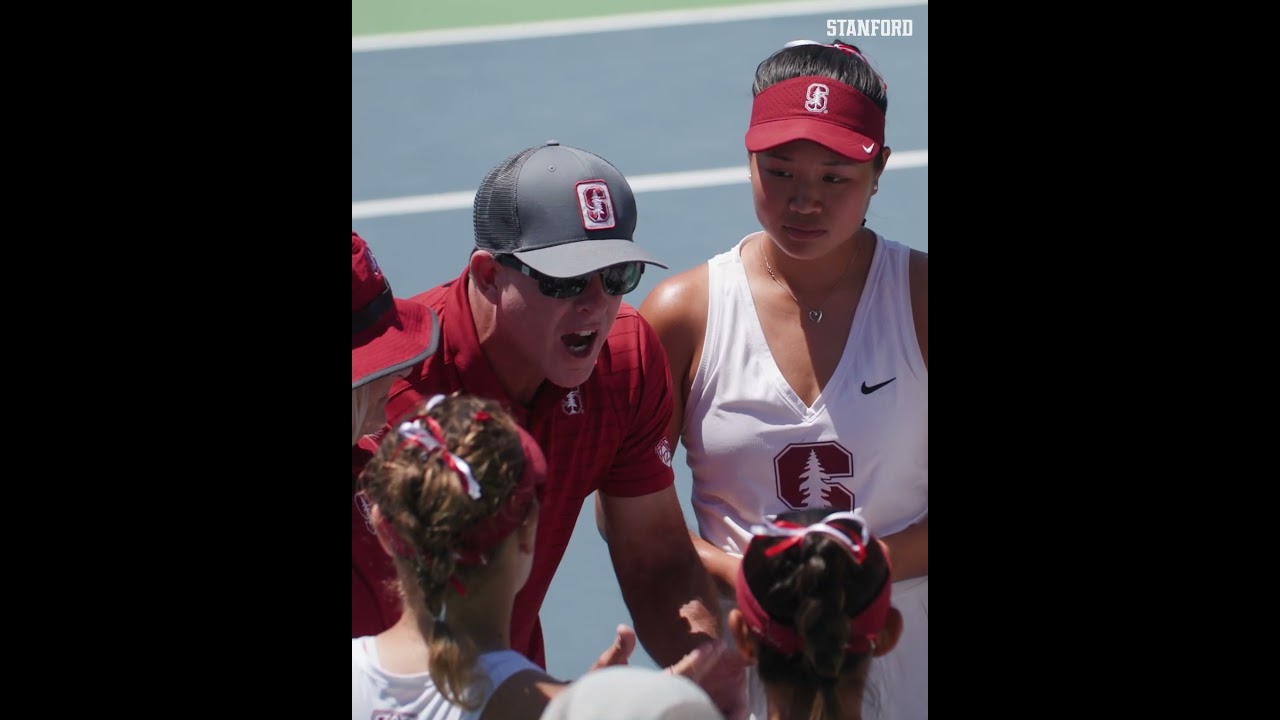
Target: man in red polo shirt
pixel 536 321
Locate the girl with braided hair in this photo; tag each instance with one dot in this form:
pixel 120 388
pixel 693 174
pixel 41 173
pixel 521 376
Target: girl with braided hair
pixel 452 495
pixel 813 593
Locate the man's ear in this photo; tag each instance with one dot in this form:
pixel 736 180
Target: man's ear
pixel 742 638
pixel 483 269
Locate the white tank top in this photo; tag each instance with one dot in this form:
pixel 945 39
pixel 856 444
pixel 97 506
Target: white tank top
pixel 756 450
pixel 380 695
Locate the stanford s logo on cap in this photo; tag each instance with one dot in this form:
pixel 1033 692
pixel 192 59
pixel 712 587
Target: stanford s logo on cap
pixel 596 205
pixel 816 98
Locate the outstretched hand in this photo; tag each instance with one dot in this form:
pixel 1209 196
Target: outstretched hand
pixel 721 673
pixel 619 652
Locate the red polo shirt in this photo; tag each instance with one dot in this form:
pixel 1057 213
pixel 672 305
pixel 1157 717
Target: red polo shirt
pixel 608 434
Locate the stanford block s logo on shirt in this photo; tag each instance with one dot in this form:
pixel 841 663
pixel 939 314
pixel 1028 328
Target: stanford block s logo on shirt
pixel 596 205
pixel 808 475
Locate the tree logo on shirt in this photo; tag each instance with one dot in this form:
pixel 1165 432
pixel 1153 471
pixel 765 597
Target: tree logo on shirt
pixel 808 475
pixel 572 403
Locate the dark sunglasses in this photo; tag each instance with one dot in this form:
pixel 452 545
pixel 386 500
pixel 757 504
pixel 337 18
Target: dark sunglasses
pixel 617 279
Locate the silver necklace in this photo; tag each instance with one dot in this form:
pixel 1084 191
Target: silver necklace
pixel 815 314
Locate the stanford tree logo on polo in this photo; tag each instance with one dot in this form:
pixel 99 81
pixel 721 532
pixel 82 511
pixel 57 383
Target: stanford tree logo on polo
pixel 572 403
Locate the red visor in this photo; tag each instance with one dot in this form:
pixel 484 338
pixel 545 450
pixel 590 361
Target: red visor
pixel 820 109
pixel 485 535
pixel 863 628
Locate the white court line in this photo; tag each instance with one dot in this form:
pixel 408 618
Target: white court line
pixel 632 21
pixel 640 184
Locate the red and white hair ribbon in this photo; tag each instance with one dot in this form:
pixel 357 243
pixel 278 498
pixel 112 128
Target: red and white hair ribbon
pixel 425 432
pixel 857 547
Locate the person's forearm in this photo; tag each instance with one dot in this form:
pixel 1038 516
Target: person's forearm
pixel 673 606
pixel 722 566
pixel 909 551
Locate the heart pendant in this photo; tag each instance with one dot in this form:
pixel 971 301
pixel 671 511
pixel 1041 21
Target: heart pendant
pixel 815 315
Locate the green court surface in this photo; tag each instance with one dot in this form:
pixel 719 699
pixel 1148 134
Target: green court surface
pixel 370 17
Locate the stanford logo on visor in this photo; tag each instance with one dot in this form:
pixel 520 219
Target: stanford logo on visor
pixel 816 98
pixel 818 109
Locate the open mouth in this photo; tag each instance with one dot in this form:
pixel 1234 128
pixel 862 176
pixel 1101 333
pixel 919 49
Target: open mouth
pixel 579 343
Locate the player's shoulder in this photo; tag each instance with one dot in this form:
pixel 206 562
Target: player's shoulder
pixel 678 299
pixel 692 280
pixel 919 264
pixel 918 273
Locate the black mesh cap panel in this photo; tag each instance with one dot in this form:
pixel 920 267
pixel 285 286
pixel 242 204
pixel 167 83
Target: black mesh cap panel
pixel 494 216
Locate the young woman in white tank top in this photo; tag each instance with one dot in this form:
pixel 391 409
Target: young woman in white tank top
pixel 801 353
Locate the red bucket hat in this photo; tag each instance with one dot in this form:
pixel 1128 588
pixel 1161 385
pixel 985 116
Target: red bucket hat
pixel 387 334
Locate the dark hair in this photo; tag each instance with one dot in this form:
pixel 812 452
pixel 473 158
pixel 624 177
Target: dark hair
pixel 815 587
pixel 827 61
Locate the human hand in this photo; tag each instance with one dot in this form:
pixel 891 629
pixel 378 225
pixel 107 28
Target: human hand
pixel 619 652
pixel 722 675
